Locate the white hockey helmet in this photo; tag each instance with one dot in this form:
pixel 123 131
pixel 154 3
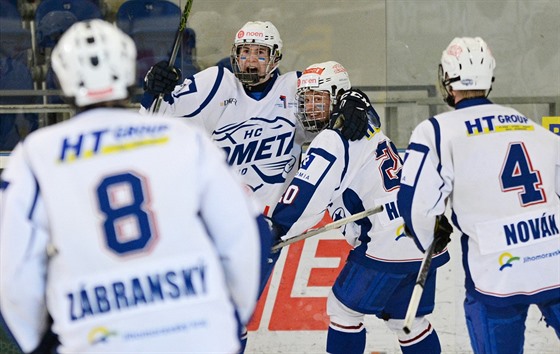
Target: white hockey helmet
pixel 318 83
pixel 257 33
pixel 95 62
pixel 466 64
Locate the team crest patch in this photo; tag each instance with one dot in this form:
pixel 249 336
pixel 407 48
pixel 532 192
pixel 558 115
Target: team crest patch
pixel 313 175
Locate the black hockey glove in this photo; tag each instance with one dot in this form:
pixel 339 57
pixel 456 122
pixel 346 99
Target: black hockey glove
pixel 350 114
pixel 442 233
pixel 161 79
pixel 275 230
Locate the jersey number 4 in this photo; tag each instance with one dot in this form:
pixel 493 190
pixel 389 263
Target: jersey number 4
pixel 519 175
pixel 128 222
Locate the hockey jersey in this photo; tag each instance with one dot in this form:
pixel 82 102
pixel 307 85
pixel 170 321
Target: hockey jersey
pixel 121 228
pixel 501 174
pixel 348 177
pixel 261 136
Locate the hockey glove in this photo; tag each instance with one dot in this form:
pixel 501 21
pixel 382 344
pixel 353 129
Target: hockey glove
pixel 350 114
pixel 442 233
pixel 276 232
pixel 161 79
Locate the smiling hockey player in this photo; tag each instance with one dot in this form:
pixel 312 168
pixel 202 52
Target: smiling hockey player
pixel 348 177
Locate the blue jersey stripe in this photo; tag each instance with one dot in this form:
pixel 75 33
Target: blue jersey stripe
pixel 210 96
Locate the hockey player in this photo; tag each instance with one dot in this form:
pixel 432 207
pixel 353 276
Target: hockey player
pixel 249 113
pixel 500 172
pixel 126 231
pixel 347 177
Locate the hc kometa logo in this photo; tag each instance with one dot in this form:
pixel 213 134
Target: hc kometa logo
pixel 261 145
pixel 506 259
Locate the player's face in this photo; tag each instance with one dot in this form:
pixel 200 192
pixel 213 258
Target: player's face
pixel 317 105
pixel 253 58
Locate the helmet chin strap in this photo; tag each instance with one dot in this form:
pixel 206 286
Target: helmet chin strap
pixel 256 79
pixel 250 79
pixel 449 97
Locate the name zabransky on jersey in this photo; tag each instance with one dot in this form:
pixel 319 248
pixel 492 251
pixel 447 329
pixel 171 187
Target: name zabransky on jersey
pixel 138 291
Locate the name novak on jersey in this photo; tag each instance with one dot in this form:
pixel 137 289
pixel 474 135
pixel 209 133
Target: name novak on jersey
pixel 119 295
pixel 535 228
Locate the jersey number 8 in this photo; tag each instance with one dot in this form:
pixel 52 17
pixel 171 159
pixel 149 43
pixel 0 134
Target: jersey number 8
pixel 128 220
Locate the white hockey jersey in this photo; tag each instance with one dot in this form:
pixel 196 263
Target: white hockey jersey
pixel 347 177
pixel 131 232
pixel 501 173
pixel 261 137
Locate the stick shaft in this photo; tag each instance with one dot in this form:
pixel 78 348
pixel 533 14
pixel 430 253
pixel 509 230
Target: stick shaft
pixel 418 289
pixel 331 226
pixel 176 44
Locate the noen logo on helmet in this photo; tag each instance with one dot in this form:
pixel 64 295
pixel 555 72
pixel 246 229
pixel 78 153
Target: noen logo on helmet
pixel 308 82
pixel 242 34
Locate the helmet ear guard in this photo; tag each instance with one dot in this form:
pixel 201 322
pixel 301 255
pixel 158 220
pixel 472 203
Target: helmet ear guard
pixel 444 85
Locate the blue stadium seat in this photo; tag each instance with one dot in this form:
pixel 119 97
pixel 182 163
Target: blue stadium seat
pixel 9 9
pixel 15 40
pixel 15 75
pixel 132 11
pixel 52 26
pixel 49 30
pixel 82 9
pixel 152 24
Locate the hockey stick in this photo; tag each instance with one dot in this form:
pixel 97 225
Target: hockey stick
pixel 418 288
pixel 333 225
pixel 176 45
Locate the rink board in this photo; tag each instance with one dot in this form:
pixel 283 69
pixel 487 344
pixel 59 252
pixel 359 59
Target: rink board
pixel 291 317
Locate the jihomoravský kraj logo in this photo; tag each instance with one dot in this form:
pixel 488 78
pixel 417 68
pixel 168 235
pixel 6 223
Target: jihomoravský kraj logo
pixel 506 260
pixel 400 232
pixel 100 335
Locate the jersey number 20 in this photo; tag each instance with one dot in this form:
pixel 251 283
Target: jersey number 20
pixel 128 220
pixel 390 164
pixel 518 175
